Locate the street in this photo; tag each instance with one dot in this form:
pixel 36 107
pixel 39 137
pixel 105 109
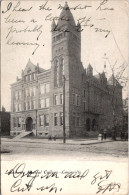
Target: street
pixel 73 149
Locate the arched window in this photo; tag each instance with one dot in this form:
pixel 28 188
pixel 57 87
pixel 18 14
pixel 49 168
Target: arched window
pixel 61 70
pixel 56 73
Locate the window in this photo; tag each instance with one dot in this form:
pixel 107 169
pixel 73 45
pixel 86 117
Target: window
pixel 33 104
pixel 42 103
pixel 42 89
pixel 84 106
pixel 25 78
pixel 16 107
pixel 77 100
pixel 32 76
pixel 61 71
pixel 73 99
pixel 78 121
pixel 26 92
pixel 55 119
pixel 47 102
pixel 61 118
pixel 34 91
pixel 84 93
pixel 19 107
pixel 18 121
pixel 47 86
pixel 56 74
pixel 16 95
pixel 14 122
pixel 20 95
pixel 55 99
pixel 46 120
pixel 74 120
pixel 41 120
pixel 28 105
pixel 24 105
pixel 61 98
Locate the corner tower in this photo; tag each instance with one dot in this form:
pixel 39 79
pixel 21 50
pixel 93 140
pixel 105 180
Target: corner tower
pixel 66 44
pixel 66 60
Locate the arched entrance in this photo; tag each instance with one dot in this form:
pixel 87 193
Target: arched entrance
pixel 29 124
pixel 94 125
pixel 88 124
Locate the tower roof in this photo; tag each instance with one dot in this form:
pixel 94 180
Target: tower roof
pixel 53 24
pixel 89 66
pixel 113 81
pixel 66 17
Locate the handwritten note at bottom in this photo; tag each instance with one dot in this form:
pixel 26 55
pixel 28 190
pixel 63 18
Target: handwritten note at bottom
pixel 60 177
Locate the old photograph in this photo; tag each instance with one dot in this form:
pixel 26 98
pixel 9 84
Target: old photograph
pixel 64 97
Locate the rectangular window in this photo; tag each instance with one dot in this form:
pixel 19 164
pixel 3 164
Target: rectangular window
pixel 14 122
pixel 55 99
pixel 78 121
pixel 84 106
pixel 34 91
pixel 18 121
pixel 41 120
pixel 77 100
pixel 26 92
pixel 24 105
pixel 42 89
pixel 47 88
pixel 28 105
pixel 84 93
pixel 19 107
pixel 73 99
pixel 61 118
pixel 34 103
pixel 16 95
pixel 20 95
pixel 46 102
pixel 46 120
pixel 61 98
pixel 31 91
pixel 55 119
pixel 25 78
pixel 32 76
pixel 74 120
pixel 16 107
pixel 42 103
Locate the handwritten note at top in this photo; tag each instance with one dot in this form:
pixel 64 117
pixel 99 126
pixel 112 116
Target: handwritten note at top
pixel 19 28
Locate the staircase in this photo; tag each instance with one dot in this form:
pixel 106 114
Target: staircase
pixel 23 134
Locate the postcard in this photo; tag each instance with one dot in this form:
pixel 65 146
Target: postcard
pixel 64 97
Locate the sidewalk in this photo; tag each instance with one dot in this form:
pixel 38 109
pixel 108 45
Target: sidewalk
pixel 58 141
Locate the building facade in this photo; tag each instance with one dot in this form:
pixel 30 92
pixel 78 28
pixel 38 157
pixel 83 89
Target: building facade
pixel 5 123
pixel 37 98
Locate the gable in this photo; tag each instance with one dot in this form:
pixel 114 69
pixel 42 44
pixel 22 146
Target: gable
pixel 30 68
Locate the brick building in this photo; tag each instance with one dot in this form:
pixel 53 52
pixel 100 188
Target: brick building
pixel 4 123
pixel 37 98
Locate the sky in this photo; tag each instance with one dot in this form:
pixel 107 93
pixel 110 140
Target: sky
pixel 112 17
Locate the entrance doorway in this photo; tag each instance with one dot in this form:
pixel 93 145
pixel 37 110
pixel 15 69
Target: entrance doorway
pixel 94 125
pixel 29 124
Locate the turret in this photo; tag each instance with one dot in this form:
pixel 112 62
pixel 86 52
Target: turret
pixel 89 70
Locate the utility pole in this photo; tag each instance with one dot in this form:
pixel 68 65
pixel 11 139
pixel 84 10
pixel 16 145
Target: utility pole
pixel 64 138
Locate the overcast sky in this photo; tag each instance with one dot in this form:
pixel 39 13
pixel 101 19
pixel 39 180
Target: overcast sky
pixel 94 44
